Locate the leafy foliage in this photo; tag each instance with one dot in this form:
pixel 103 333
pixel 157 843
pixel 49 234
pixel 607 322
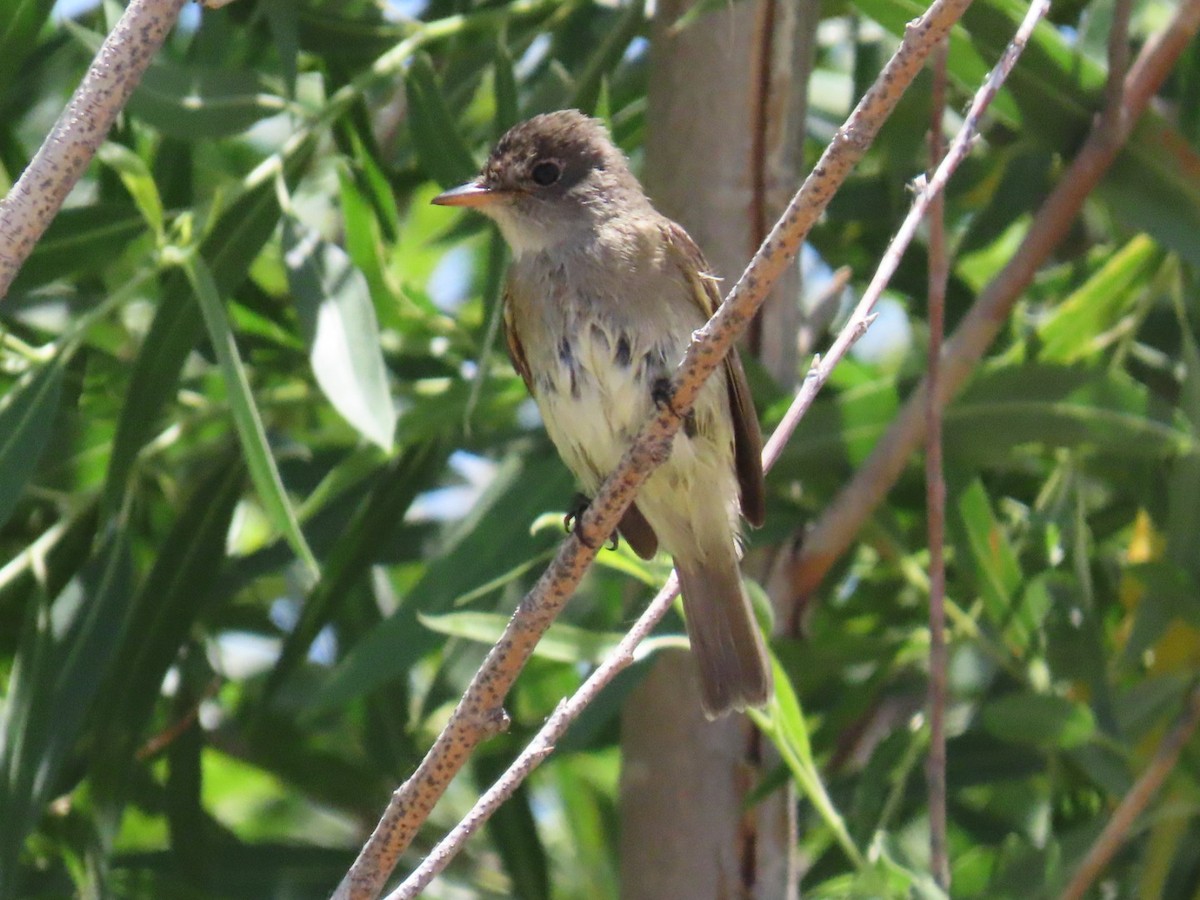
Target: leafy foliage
pixel 266 481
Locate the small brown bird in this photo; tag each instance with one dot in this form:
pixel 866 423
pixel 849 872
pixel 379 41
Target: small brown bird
pixel 602 298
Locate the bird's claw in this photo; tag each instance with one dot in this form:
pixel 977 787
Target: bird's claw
pixel 572 520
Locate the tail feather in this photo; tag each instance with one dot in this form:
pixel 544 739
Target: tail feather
pixel 726 640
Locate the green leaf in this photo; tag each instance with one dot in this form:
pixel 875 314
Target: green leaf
pixel 1042 720
pixel 19 28
pixel 606 56
pixel 1183 492
pixel 81 239
pixel 488 543
pixel 363 540
pixel 1079 327
pixel 192 103
pixel 784 723
pixel 27 414
pixel 236 238
pixel 335 311
pixel 66 648
pixel 1052 96
pixel 513 829
pixel 362 235
pixel 561 643
pixel 1094 411
pixel 166 608
pixel 253 436
pixel 282 17
pixel 504 83
pixel 138 180
pixel 995 560
pixel 444 157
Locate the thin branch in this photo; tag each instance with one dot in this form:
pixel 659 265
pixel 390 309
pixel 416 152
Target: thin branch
pixel 479 711
pixel 959 149
pixel 60 162
pixel 542 744
pixel 935 496
pixel 765 35
pixel 844 517
pixel 1118 57
pixel 1117 830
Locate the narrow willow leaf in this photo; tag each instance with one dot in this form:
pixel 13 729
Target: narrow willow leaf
pixel 444 156
pixel 166 608
pixel 995 560
pixel 607 55
pixel 1044 720
pixel 504 85
pixel 1079 327
pixel 19 27
pixel 138 180
pixel 191 103
pixel 1092 410
pixel 362 541
pixel 250 429
pixel 561 643
pixel 784 723
pixel 80 239
pixel 362 234
pixel 333 303
pixel 236 238
pixel 27 414
pixel 65 650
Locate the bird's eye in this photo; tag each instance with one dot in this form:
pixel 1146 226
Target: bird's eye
pixel 546 173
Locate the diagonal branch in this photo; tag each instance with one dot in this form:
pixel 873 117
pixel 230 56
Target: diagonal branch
pixel 60 162
pixel 836 529
pixel 1136 800
pixel 480 711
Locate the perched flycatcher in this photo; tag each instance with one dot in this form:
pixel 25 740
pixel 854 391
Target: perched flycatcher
pixel 603 295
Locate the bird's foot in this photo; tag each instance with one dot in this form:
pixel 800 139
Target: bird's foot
pixel 572 520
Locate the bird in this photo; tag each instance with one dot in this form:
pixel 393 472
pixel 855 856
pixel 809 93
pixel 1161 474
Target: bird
pixel 602 296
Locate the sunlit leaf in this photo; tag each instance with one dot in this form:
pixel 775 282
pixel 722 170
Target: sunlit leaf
pixel 259 458
pixel 335 310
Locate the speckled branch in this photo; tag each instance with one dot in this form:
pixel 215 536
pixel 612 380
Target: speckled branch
pixel 479 712
pixel 35 199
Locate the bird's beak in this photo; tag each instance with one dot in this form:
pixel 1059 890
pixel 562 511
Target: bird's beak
pixel 470 194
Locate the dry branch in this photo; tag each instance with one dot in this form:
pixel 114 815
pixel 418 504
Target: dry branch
pixel 1136 800
pixel 837 527
pixel 480 709
pixel 35 199
pixel 935 495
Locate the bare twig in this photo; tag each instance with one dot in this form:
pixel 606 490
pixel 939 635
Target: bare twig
pixel 540 747
pixel 35 199
pixel 412 802
pixel 1118 57
pixel 1134 802
pixel 959 149
pixel 935 497
pixel 842 519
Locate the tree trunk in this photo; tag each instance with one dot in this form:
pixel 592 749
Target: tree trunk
pixel 684 832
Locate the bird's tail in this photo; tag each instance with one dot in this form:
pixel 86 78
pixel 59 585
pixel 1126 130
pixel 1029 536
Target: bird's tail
pixel 726 640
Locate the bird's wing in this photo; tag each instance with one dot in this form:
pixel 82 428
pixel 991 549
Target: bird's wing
pixel 515 351
pixel 747 436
